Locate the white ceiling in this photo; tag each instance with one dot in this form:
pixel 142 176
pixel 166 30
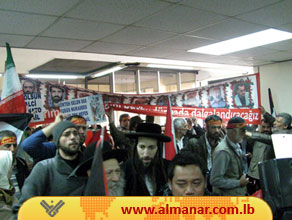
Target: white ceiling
pixel 139 29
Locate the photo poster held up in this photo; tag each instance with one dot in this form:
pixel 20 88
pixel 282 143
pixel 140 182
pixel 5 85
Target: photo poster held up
pixel 231 97
pixel 89 107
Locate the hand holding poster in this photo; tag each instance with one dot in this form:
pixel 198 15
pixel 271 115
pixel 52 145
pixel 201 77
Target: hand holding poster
pixel 89 107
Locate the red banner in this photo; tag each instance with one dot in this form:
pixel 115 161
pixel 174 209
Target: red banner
pixel 237 97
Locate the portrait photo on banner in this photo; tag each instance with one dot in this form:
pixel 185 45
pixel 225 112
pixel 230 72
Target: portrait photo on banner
pixel 241 91
pixel 217 97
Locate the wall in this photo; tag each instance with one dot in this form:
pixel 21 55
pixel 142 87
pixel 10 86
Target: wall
pixel 278 77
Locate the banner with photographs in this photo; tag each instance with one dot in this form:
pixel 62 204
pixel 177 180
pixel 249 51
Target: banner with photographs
pixel 237 97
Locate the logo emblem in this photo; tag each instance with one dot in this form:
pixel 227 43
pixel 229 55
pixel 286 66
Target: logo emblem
pixel 51 209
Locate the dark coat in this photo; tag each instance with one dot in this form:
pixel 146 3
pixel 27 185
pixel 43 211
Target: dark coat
pixel 22 171
pixel 135 183
pixel 198 146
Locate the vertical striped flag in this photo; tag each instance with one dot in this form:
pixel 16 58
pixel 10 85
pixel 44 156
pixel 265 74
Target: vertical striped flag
pixel 169 148
pixel 12 98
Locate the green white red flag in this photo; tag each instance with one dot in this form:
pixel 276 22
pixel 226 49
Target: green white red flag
pixel 12 98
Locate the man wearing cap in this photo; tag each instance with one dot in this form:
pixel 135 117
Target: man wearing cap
pixel 20 171
pixel 227 175
pixel 56 176
pixel 145 172
pixel 206 144
pixel 37 145
pixel 111 163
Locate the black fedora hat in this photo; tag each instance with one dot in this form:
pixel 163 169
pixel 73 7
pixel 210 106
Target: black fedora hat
pixel 107 152
pixel 149 130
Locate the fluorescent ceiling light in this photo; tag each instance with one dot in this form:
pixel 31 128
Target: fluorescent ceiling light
pixel 170 67
pixel 244 42
pixel 52 76
pixel 107 71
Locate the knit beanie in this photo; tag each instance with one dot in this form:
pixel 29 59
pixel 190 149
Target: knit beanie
pixel 59 129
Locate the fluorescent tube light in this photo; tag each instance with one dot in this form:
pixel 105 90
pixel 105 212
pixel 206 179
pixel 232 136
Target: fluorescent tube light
pixel 52 76
pixel 170 67
pixel 107 71
pixel 244 42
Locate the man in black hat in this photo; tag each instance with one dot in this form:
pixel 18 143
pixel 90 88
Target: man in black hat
pixel 112 158
pixel 227 175
pixel 56 176
pixel 145 173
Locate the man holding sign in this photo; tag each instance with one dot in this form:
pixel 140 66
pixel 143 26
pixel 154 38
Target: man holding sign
pixel 37 145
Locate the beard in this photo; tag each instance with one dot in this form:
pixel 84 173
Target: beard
pixel 69 151
pixel 56 98
pixel 116 188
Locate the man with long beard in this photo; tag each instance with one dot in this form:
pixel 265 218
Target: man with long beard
pixel 145 173
pixel 227 175
pixel 112 158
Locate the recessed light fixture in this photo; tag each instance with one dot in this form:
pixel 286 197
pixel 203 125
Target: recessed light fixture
pixel 170 67
pixel 107 71
pixel 53 76
pixel 244 42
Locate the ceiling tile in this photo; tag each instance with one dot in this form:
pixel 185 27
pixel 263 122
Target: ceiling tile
pixel 272 16
pixel 279 56
pixel 39 6
pixel 184 42
pixel 228 7
pixel 283 45
pixel 14 40
pixel 120 12
pixel 180 19
pixel 190 56
pixel 138 36
pixel 228 59
pixel 253 52
pixel 286 27
pixel 109 48
pixel 58 44
pixel 83 30
pixel 24 24
pixel 227 29
pixel 157 52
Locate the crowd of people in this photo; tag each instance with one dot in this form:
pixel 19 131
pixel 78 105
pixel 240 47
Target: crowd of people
pixel 213 160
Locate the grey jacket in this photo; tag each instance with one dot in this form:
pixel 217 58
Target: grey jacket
pixel 52 177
